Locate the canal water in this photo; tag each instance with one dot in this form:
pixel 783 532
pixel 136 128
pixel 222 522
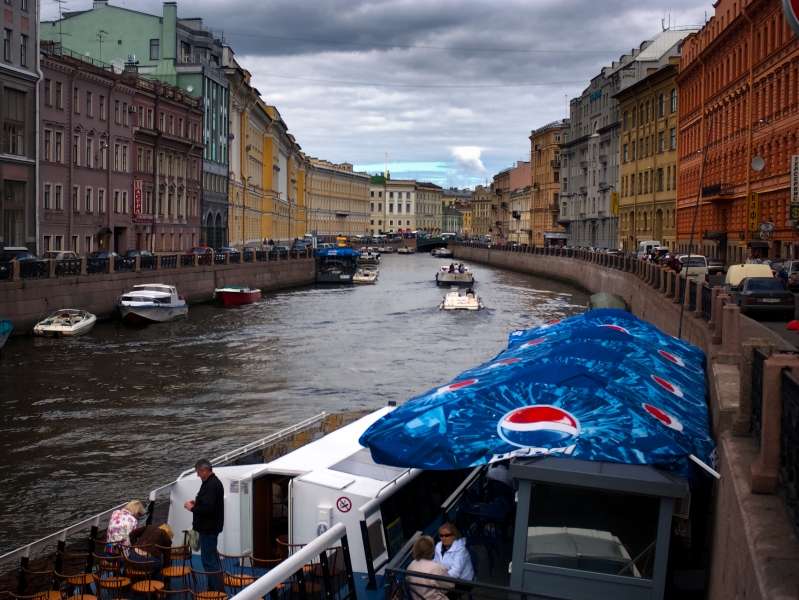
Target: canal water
pixel 93 422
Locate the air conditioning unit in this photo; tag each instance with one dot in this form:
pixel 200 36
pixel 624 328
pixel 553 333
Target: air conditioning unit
pixel 131 108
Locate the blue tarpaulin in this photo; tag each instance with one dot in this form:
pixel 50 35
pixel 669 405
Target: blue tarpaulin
pixel 337 253
pixel 603 385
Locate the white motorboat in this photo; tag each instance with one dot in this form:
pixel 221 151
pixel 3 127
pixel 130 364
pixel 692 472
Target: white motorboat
pixel 152 303
pixel 366 275
pixel 387 250
pixel 406 250
pixel 369 257
pixel 442 253
pixel 457 299
pixel 454 275
pixel 67 322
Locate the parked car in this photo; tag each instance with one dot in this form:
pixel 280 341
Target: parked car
pixel 14 253
pixel 200 250
pixel 792 268
pixel 22 255
pixel 715 266
pixel 59 255
pixel 227 250
pixel 102 255
pixel 135 253
pixel 281 248
pixel 737 273
pixel 764 295
pixel 694 267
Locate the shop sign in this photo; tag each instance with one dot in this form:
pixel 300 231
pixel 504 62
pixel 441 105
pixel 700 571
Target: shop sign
pixel 795 177
pixel 137 204
pixel 753 212
pixel 794 213
pixel 595 95
pixel 614 203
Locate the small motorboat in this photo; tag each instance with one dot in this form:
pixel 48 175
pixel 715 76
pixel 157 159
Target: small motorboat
pixel 406 250
pixel 457 299
pixel 454 275
pixel 388 250
pixel 230 295
pixel 368 257
pixel 366 275
pixel 5 330
pixel 66 322
pixel 152 303
pixel 442 253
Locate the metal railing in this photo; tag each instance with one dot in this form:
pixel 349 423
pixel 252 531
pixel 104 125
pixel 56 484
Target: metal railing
pixel 789 448
pixel 758 359
pixel 273 255
pixel 169 261
pixel 148 263
pixel 5 270
pixel 220 259
pixel 187 260
pixel 683 285
pixel 96 266
pixel 34 269
pixel 204 260
pixel 707 296
pixel 124 265
pixel 249 257
pixel 67 268
pixel 234 258
pixel 692 295
pixel 260 255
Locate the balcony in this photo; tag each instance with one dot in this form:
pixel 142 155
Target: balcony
pixel 504 205
pixel 493 207
pixel 535 185
pixel 603 158
pixel 498 223
pixel 583 190
pixel 554 163
pixel 582 216
pixel 553 207
pixel 719 191
pixel 583 164
pixel 197 59
pixel 602 214
pixel 564 219
pixel 603 185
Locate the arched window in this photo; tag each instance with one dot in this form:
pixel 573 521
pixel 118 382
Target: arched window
pixel 673 100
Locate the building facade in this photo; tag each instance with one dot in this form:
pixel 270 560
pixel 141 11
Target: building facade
pixel 648 173
pixel 465 208
pixel 481 201
pixel 19 169
pixel 738 101
pixel 451 220
pixel 338 199
pixel 590 152
pixel 545 221
pixel 519 226
pixel 393 205
pixel 452 196
pixel 429 208
pixel 181 52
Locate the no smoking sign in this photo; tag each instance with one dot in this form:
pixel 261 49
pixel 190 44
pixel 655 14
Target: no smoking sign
pixel 344 504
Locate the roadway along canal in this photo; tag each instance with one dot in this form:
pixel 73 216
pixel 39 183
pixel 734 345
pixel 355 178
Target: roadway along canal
pixel 95 421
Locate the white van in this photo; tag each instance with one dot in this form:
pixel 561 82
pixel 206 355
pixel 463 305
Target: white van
pixel 647 246
pixel 695 267
pixel 738 272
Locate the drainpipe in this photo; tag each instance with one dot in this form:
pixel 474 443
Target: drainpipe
pixel 747 167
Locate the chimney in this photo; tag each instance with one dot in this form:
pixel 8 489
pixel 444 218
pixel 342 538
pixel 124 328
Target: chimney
pixel 99 4
pixel 169 37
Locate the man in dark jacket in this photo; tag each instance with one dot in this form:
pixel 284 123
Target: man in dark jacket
pixel 209 518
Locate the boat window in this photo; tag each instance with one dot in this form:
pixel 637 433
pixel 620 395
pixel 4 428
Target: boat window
pixel 127 298
pixel 592 530
pixel 361 464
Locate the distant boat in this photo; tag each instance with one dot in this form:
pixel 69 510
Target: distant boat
pixel 152 303
pixel 5 330
pixel 458 276
pixel 231 295
pixel 366 275
pixel 442 253
pixel 461 300
pixel 406 250
pixel 68 322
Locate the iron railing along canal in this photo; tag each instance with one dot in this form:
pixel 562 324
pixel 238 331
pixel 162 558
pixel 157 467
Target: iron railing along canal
pixel 789 448
pixel 758 360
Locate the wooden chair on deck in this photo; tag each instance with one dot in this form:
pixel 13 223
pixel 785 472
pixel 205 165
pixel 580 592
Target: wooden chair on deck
pixel 112 588
pixel 284 549
pixel 201 584
pixel 176 566
pixel 238 571
pixel 13 596
pixel 73 587
pixel 141 575
pixel 173 595
pixel 41 582
pixel 261 566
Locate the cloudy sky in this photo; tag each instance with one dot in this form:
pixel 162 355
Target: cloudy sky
pixel 450 90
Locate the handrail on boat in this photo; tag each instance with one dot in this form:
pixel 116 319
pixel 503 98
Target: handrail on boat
pixel 455 496
pixel 261 587
pixel 59 536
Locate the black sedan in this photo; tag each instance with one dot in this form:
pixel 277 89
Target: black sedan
pixel 715 266
pixel 765 296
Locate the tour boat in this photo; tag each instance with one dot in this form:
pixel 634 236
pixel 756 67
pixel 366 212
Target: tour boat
pixel 366 275
pixel 5 330
pixel 230 295
pixel 67 322
pixel 152 303
pixel 368 257
pixel 459 275
pixel 442 253
pixel 457 299
pixel 406 250
pixel 387 250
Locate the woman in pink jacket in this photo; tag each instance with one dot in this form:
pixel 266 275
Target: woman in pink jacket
pixel 424 549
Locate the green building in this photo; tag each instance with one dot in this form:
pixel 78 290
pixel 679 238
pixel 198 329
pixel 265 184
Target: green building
pixel 182 52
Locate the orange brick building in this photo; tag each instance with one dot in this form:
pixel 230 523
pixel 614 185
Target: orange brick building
pixel 739 92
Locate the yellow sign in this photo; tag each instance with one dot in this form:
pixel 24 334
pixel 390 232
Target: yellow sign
pixel 614 203
pixel 794 212
pixel 753 211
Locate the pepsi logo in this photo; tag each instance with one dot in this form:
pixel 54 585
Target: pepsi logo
pixel 536 426
pixel 669 356
pixel 504 363
pixel 616 328
pixel 668 386
pixel 456 386
pixel 533 343
pixel 550 324
pixel 664 418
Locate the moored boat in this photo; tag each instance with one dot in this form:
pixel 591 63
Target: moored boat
pixel 368 257
pixel 442 253
pixel 457 299
pixel 366 275
pixel 406 250
pixel 5 330
pixel 231 295
pixel 68 322
pixel 152 303
pixel 454 275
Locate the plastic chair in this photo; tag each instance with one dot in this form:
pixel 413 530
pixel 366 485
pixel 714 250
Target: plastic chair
pixel 41 582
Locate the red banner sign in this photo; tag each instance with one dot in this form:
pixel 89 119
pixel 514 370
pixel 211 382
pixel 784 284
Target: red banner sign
pixel 137 203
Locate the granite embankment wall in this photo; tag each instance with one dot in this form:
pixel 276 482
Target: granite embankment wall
pixel 23 301
pixel 754 551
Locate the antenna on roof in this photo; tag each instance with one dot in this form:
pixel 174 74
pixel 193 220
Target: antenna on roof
pixel 101 39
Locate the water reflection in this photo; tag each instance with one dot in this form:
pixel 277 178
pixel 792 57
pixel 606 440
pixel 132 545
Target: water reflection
pixel 96 420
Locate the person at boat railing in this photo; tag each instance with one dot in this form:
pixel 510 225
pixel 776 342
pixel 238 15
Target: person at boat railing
pixel 145 542
pixel 424 550
pixel 460 268
pixel 452 267
pixel 120 525
pixel 452 554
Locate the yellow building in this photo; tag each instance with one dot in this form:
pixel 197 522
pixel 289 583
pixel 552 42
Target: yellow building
pixel 429 208
pixel 466 210
pixel 337 199
pixel 545 176
pixel 481 211
pixel 648 173
pixel 519 224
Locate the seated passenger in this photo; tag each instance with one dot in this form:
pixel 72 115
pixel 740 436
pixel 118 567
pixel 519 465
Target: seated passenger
pixel 427 589
pixel 452 554
pixel 144 542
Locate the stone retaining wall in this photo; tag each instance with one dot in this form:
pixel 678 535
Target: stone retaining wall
pixel 26 300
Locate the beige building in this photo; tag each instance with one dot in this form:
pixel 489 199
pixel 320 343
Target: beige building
pixel 506 181
pixel 465 208
pixel 429 208
pixel 393 205
pixel 338 199
pixel 481 201
pixel 648 172
pixel 545 176
pixel 519 224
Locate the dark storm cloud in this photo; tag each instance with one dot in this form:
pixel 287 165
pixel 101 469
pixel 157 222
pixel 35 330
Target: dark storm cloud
pixel 341 43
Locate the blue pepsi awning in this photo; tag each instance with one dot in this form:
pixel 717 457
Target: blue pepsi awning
pixel 603 385
pixel 338 253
